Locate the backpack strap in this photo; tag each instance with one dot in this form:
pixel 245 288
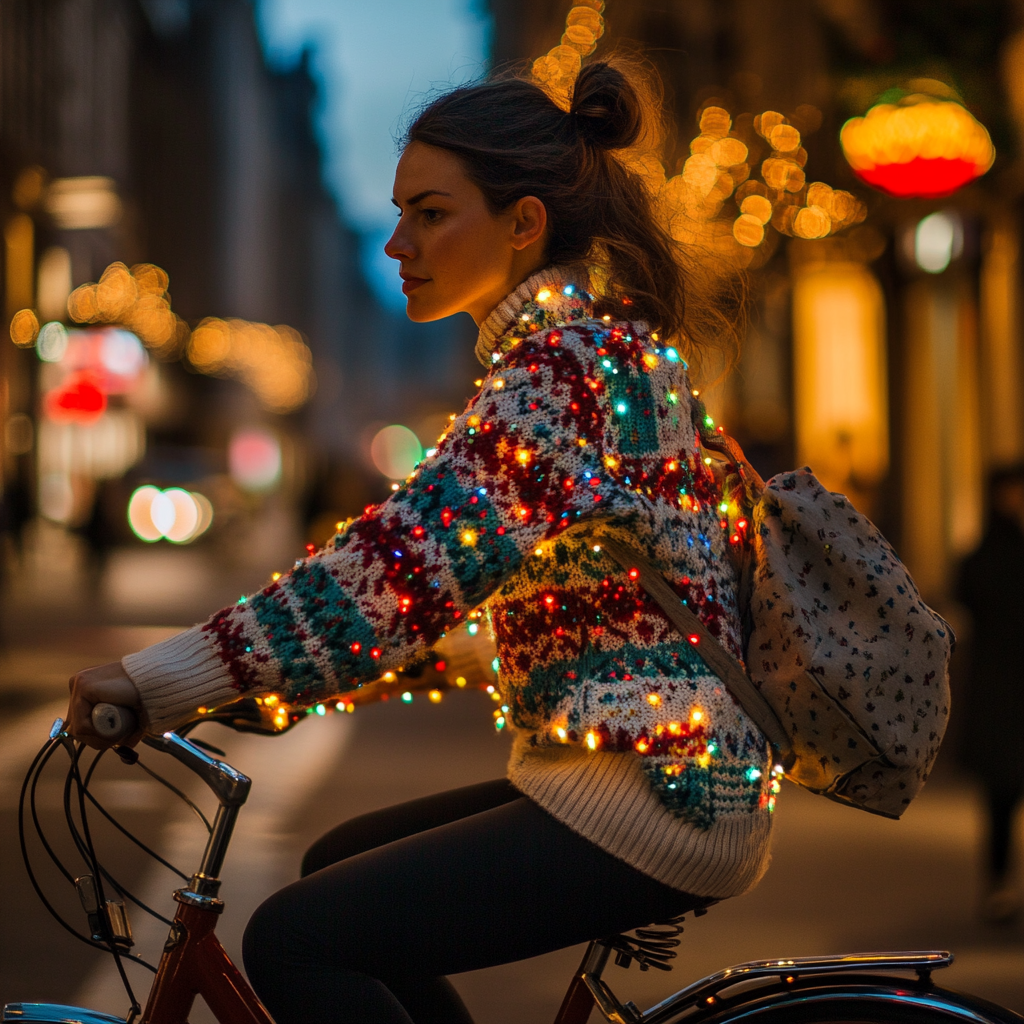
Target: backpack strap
pixel 714 655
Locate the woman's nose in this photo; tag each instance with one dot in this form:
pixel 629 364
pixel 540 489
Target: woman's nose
pixel 398 246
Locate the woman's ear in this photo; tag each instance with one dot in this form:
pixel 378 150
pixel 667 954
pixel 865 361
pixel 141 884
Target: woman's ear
pixel 530 222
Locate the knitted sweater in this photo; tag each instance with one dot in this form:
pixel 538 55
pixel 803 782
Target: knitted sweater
pixel 622 731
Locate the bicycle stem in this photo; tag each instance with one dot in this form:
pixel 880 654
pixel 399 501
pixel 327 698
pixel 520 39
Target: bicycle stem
pixel 230 787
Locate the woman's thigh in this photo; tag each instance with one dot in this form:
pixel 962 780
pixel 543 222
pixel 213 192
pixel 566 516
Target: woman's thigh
pixel 368 831
pixel 504 884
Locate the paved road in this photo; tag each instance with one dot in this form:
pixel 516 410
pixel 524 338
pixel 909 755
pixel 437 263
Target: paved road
pixel 840 881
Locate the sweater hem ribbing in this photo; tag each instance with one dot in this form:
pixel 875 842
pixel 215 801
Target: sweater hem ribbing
pixel 606 798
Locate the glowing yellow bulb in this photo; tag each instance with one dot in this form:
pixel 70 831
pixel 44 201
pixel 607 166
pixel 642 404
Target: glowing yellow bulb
pixel 275 576
pixel 460 681
pixel 523 456
pixel 561 734
pixel 389 677
pixel 650 360
pixel 271 699
pixel 499 384
pixel 654 699
pixel 707 462
pixel 468 537
pixel 495 696
pixel 474 421
pixel 202 711
pixel 435 696
pixel 543 295
pixel 610 461
pixel 703 760
pixel 538 552
pixel 696 715
pixel 592 741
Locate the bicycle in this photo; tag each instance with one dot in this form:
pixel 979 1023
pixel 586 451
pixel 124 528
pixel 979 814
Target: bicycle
pixel 854 988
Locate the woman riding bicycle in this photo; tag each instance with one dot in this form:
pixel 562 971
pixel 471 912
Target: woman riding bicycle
pixel 637 789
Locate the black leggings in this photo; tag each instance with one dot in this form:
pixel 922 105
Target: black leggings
pixel 391 902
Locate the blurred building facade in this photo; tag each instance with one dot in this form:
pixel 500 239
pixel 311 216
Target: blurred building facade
pixel 156 132
pixel 936 397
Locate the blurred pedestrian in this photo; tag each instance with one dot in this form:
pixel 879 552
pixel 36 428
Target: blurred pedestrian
pixel 991 587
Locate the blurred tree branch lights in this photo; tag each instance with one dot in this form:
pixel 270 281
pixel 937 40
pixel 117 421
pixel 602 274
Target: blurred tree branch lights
pixel 722 163
pixel 274 362
pixel 923 145
pixel 136 298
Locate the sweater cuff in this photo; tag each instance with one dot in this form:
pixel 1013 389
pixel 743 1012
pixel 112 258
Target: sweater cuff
pixel 178 676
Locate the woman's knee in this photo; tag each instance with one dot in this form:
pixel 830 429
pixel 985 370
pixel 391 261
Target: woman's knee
pixel 266 942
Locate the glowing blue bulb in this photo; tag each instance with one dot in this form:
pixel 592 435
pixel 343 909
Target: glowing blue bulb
pixel 672 355
pixel 606 363
pixel 568 289
pixel 620 408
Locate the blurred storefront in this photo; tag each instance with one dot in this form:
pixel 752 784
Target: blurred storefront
pixel 890 356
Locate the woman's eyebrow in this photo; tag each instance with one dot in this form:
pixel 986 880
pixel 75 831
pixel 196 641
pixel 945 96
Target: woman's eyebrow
pixel 413 200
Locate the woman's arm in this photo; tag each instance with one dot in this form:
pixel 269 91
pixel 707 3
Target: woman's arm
pixel 520 464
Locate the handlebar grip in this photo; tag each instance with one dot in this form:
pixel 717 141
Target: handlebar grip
pixel 113 722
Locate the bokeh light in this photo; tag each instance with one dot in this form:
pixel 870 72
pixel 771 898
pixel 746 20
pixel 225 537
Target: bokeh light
pixel 175 514
pixel 938 240
pixel 24 328
pixel 925 145
pixel 136 298
pixel 273 361
pixel 395 450
pixel 52 342
pixel 254 459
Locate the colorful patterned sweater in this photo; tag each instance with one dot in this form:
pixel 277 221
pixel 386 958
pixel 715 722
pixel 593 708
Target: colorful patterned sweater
pixel 581 425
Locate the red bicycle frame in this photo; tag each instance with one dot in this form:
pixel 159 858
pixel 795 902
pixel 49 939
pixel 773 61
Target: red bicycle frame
pixel 194 963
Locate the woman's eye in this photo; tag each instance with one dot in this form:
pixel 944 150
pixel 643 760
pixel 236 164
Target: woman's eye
pixel 431 216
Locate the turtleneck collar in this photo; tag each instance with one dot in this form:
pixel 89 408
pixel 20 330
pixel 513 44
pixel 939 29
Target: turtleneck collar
pixel 550 298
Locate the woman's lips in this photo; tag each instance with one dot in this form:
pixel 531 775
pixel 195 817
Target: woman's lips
pixel 410 284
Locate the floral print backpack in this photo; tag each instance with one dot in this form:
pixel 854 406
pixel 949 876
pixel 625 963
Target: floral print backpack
pixel 846 667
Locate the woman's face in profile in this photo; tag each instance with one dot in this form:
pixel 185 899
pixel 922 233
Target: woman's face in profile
pixel 455 254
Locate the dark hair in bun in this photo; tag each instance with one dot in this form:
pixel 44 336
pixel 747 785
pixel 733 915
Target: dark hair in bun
pixel 515 141
pixel 606 108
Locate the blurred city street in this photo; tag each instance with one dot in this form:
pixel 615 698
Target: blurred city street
pixel 207 369
pixel 840 880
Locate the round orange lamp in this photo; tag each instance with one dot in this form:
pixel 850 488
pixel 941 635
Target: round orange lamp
pixel 919 147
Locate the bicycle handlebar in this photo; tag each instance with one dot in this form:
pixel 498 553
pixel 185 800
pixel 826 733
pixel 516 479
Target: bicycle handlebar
pixel 113 722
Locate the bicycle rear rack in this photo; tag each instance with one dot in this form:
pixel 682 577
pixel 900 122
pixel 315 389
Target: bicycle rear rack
pixel 707 992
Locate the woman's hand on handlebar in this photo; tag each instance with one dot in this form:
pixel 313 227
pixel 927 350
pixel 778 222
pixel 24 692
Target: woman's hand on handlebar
pixel 104 684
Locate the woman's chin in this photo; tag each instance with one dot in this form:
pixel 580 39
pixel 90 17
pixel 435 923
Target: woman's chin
pixel 422 312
